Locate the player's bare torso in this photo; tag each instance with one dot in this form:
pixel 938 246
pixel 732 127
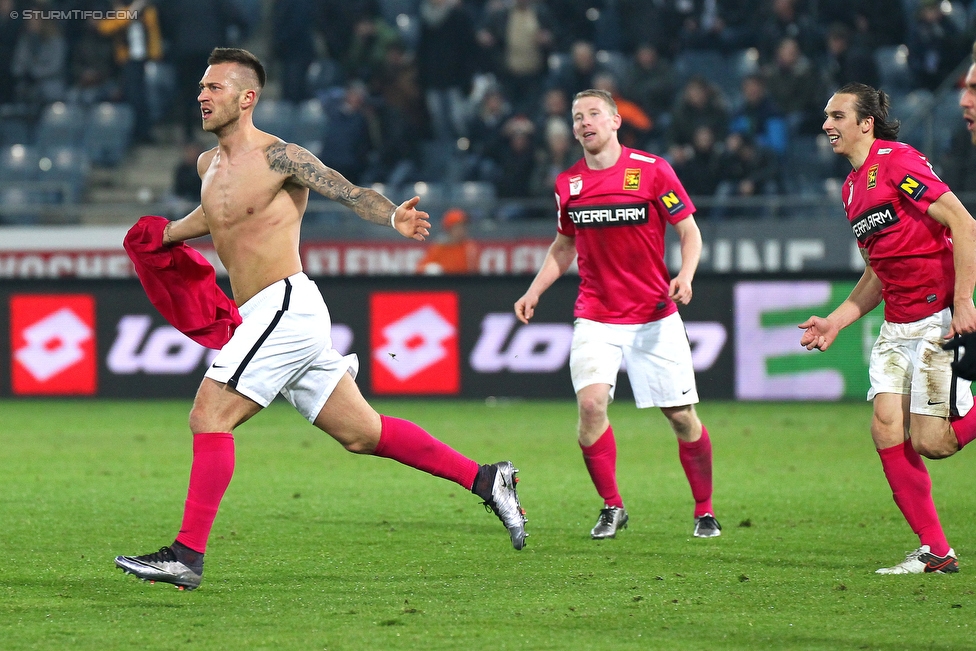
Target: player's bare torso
pixel 254 214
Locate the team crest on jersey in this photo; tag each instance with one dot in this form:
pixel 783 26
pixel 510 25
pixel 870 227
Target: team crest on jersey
pixel 912 187
pixel 575 185
pixel 873 177
pixel 672 203
pixel 631 179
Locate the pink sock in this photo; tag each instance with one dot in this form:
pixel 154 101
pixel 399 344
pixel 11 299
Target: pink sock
pixel 696 459
pixel 210 474
pixel 911 488
pixel 601 462
pixel 407 443
pixel 965 428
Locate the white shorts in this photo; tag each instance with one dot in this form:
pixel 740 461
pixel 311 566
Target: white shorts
pixel 908 359
pixel 658 360
pixel 284 346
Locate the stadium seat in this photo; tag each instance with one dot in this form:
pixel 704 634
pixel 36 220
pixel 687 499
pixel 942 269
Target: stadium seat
pixel 18 205
pixel 14 130
pixel 323 74
pixel 18 163
pixel 893 71
pixel 64 171
pixel 390 10
pixel 477 197
pixel 709 64
pixel 437 160
pixel 108 133
pixel 61 125
pixel 276 116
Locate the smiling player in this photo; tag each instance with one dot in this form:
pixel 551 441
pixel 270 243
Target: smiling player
pixel 919 248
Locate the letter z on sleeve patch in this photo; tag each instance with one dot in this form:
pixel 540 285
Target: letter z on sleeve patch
pixel 912 187
pixel 672 203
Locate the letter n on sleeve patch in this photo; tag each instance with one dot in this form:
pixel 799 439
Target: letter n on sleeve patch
pixel 672 203
pixel 912 187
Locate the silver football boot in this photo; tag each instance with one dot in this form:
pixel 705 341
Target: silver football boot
pixel 160 566
pixel 611 519
pixel 706 526
pixel 504 502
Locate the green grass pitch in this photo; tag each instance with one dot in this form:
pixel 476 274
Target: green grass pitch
pixel 316 548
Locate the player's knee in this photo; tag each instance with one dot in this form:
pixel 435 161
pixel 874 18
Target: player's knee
pixel 592 408
pixel 935 448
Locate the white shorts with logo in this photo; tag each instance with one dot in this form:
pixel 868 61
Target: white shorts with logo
pixel 658 358
pixel 284 345
pixel 908 359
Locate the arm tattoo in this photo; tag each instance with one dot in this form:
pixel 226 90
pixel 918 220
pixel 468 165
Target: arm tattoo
pixel 306 170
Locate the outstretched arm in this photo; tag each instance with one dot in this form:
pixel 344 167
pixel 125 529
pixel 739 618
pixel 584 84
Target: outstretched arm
pixel 306 170
pixel 820 332
pixel 561 254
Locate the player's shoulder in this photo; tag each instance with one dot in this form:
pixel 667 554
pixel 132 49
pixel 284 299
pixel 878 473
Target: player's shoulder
pixel 638 157
pixel 893 150
pixel 575 169
pixel 204 160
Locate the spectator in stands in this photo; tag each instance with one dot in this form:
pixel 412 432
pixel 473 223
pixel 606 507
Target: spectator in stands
pixel 92 67
pixel 186 177
pixel 701 103
pixel 657 23
pixel 578 75
pixel 934 45
pixel 9 37
pixel 403 115
pixel 486 136
pixel 352 124
pixel 445 60
pixel 517 39
pixel 293 45
pixel 457 254
pixel 758 116
pixel 702 25
pixel 748 169
pixel 783 18
pixel 189 43
pixel 650 81
pixel 371 38
pixel 848 60
pixel 554 106
pixel 635 124
pixel 516 163
pixel 559 152
pixel 796 87
pixel 135 41
pixel 699 166
pixel 40 63
pixel 876 23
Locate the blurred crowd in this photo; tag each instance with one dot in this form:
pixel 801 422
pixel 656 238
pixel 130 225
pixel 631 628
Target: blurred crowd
pixel 480 90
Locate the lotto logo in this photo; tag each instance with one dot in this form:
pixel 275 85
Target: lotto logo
pixel 414 337
pixel 52 340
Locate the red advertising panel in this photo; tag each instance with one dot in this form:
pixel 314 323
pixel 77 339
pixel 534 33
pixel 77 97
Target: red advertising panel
pixel 414 342
pixel 52 344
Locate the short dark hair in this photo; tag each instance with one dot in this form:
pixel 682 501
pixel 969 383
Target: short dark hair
pixel 974 51
pixel 872 103
pixel 241 57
